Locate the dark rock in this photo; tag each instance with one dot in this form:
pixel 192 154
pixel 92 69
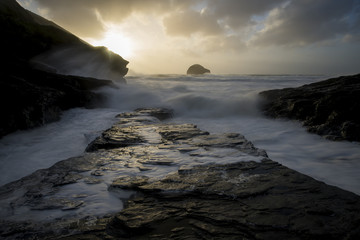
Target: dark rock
pixel 83 60
pixel 26 35
pixel 248 197
pixel 180 132
pixel 129 182
pixel 244 200
pixel 30 97
pixel 115 137
pixel 123 135
pixel 197 69
pixel 327 108
pixel 54 203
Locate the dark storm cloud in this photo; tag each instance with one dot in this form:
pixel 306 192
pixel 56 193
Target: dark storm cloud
pixel 265 22
pixel 215 16
pixel 309 21
pixel 239 13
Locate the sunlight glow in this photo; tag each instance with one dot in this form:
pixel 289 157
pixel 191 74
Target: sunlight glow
pixel 117 42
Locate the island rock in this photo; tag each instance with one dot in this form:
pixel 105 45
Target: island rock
pixel 197 69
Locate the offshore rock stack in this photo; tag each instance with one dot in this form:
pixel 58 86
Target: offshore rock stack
pixel 197 69
pixel 173 181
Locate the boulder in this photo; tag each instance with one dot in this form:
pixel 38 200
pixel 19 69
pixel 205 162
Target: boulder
pixel 328 108
pixel 197 69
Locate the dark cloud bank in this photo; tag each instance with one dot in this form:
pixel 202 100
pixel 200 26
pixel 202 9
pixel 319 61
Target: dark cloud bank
pixel 259 22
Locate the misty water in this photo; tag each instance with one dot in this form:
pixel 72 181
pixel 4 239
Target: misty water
pixel 215 103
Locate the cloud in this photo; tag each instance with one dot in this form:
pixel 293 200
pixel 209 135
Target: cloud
pixel 201 45
pixel 217 17
pixel 87 17
pixel 183 17
pixel 239 13
pixel 190 22
pixel 229 24
pixel 305 22
pixel 75 16
pixel 351 38
pixel 221 43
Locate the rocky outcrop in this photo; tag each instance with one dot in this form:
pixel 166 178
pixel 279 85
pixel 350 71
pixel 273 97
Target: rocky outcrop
pixel 197 69
pixel 176 182
pixel 83 60
pixel 31 93
pixel 31 98
pixel 328 108
pixel 25 35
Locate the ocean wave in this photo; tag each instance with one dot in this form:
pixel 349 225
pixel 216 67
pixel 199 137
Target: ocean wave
pixel 202 106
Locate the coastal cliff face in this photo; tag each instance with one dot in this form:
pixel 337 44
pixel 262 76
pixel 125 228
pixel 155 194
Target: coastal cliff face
pixel 32 90
pixel 31 98
pixel 26 35
pixel 329 108
pixel 170 183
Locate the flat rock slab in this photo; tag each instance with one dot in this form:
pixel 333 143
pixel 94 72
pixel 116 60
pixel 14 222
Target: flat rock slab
pixel 246 200
pixel 148 179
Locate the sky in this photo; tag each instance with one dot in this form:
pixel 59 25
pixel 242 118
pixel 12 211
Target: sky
pixel 225 36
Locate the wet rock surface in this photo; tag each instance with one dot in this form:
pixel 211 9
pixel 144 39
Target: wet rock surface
pixel 327 108
pixel 148 179
pixel 238 201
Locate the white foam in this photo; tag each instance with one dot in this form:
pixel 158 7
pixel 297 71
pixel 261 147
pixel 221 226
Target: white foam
pixel 24 152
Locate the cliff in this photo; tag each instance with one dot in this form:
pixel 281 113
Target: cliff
pixel 35 85
pixel 26 35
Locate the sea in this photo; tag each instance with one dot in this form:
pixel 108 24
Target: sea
pixel 215 103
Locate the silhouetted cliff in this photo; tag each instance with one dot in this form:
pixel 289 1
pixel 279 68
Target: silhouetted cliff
pixel 33 92
pixel 26 35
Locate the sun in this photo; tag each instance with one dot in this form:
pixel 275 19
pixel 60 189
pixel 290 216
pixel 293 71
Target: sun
pixel 117 42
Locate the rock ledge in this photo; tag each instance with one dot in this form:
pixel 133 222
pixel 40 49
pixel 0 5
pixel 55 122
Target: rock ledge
pixel 328 108
pixel 148 179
